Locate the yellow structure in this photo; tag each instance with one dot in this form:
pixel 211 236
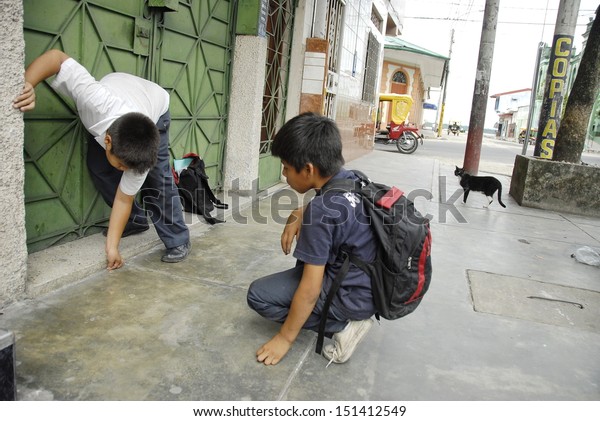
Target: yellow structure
pixel 400 108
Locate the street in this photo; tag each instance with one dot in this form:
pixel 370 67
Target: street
pixel 497 156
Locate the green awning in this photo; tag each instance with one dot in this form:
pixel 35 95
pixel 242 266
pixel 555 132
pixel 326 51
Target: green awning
pixel 395 43
pixel 432 64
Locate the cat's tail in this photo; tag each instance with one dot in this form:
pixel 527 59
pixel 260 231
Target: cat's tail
pixel 500 194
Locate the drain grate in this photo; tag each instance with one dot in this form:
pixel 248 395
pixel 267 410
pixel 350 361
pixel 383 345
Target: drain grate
pixel 537 301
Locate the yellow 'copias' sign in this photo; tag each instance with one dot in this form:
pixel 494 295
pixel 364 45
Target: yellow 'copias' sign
pixel 551 109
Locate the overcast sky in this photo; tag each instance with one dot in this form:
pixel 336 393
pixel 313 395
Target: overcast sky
pixel 428 23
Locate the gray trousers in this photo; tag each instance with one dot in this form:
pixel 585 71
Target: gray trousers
pixel 159 192
pixel 271 297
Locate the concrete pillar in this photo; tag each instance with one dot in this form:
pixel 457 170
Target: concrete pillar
pixel 245 114
pixel 13 252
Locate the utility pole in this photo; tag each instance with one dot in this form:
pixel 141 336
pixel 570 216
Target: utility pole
pixel 556 78
pixel 482 86
pixel 446 72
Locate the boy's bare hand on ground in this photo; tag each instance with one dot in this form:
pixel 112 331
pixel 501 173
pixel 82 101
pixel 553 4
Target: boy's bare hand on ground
pixel 113 259
pixel 291 230
pixel 25 101
pixel 273 351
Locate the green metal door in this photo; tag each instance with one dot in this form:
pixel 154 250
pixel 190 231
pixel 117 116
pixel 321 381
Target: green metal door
pixel 184 46
pixel 193 65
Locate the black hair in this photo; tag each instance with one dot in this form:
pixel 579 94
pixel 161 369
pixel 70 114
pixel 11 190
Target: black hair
pixel 135 141
pixel 310 138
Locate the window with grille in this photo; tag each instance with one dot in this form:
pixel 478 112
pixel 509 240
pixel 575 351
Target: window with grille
pixel 371 69
pixel 376 19
pixel 334 30
pixel 399 77
pixel 335 13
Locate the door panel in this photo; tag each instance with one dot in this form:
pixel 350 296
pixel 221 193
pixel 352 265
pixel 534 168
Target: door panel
pixel 194 67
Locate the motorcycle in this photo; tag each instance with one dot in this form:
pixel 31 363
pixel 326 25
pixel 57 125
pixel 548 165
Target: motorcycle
pixel 406 138
pixel 454 129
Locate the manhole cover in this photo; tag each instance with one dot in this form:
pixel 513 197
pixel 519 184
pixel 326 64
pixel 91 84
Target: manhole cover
pixel 535 300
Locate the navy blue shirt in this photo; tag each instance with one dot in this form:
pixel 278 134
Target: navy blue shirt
pixel 329 222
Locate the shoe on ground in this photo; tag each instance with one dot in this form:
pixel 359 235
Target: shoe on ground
pixel 345 342
pixel 177 254
pixel 130 229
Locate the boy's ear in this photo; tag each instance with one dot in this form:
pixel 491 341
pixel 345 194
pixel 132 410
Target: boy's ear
pixel 311 170
pixel 108 141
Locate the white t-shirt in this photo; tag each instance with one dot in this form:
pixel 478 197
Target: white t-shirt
pixel 100 103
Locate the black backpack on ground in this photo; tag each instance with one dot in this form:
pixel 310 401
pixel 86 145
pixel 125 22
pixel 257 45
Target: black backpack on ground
pixel 196 195
pixel 401 272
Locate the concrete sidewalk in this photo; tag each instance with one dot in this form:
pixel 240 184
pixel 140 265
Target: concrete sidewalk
pixel 502 320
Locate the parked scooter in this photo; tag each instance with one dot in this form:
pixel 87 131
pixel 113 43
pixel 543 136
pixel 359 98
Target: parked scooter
pixel 406 138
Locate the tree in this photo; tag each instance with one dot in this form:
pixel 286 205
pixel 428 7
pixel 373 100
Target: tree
pixel 570 139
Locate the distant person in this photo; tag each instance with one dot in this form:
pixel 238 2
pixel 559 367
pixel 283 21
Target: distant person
pixel 129 119
pixel 310 149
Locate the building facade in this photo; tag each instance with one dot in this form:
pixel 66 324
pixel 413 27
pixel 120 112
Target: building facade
pixel 512 108
pixel 411 70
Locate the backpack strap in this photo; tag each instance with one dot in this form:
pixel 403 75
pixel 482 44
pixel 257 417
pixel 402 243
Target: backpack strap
pixel 362 176
pixel 211 195
pixel 335 285
pixel 340 185
pixel 345 184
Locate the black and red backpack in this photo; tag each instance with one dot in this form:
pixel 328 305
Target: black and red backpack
pixel 401 272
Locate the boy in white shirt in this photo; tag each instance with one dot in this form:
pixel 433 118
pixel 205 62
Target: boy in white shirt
pixel 129 119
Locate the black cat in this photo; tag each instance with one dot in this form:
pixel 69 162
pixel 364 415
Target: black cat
pixel 485 185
